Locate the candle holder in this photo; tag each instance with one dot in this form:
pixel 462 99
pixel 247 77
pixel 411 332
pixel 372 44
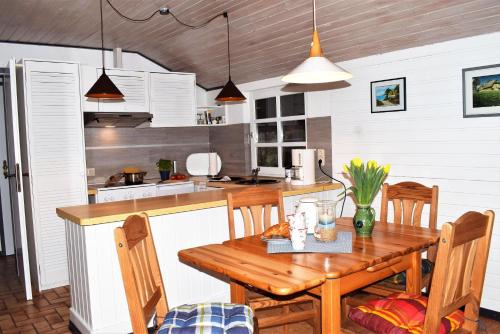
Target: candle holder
pixel 325 229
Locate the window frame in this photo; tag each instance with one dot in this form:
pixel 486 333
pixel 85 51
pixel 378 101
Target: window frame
pixel 275 92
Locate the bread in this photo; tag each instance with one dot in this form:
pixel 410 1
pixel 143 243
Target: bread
pixel 279 230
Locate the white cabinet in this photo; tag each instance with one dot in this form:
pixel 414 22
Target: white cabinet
pixel 125 193
pixel 175 188
pixel 173 99
pixel 133 84
pixel 88 77
pixel 134 87
pixel 54 154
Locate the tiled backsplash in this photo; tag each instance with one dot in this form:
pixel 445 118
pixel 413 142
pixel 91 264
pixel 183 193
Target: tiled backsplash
pixel 109 150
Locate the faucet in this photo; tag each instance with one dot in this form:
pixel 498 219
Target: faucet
pixel 255 175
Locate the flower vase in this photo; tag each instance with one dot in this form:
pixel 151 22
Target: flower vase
pixel 364 220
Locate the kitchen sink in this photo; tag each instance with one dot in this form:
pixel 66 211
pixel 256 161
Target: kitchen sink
pixel 259 181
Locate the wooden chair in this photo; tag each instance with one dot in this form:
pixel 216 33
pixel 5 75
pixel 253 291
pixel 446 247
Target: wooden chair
pixel 408 199
pixel 256 205
pixel 459 273
pixel 142 278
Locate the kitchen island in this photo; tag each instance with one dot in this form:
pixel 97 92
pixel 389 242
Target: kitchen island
pixel 98 302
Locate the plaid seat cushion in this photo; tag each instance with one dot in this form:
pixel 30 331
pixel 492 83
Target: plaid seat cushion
pixel 208 318
pixel 401 313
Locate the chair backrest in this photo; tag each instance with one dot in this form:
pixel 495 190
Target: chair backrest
pixel 409 199
pixel 140 272
pixel 460 269
pixel 255 204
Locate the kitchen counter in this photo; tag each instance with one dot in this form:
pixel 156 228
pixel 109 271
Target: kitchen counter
pixel 98 302
pixel 102 213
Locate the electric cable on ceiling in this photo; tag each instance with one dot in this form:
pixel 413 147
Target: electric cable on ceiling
pixel 164 11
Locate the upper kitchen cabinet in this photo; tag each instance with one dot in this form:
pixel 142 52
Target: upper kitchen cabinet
pixel 133 84
pixel 173 99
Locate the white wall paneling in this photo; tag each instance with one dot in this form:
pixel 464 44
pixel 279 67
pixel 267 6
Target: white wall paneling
pixel 430 142
pixel 54 145
pixel 98 302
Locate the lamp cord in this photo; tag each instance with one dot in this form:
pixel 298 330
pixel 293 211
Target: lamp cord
pixel 131 18
pixel 164 11
pixel 314 14
pixel 320 162
pixel 102 39
pixel 228 52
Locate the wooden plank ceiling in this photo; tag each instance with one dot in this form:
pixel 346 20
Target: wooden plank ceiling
pixel 268 37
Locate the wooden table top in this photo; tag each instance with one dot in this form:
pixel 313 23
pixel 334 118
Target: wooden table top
pixel 247 260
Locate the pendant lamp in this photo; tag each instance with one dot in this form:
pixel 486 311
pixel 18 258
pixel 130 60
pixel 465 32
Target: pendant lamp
pixel 316 68
pixel 104 88
pixel 230 92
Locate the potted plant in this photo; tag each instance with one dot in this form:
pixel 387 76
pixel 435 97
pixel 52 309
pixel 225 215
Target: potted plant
pixel 164 167
pixel 366 182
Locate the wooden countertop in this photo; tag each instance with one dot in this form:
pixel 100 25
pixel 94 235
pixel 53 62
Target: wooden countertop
pixel 101 213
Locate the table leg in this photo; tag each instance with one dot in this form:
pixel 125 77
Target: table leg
pixel 330 307
pixel 414 274
pixel 237 293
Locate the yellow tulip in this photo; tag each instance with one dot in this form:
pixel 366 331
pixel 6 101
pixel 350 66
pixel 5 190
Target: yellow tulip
pixel 387 168
pixel 372 164
pixel 344 168
pixel 357 162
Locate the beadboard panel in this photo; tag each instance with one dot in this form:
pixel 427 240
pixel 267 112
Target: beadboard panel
pixel 430 142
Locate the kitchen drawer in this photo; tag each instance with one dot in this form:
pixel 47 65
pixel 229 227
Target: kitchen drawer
pixel 125 193
pixel 175 188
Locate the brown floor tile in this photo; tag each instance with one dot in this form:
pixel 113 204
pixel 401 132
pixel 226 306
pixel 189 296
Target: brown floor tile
pixel 48 312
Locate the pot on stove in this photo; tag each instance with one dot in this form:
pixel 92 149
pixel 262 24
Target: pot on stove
pixel 134 178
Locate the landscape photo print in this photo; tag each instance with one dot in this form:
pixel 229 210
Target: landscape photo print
pixel 481 91
pixel 388 95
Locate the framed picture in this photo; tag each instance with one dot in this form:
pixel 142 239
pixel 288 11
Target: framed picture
pixel 481 91
pixel 388 95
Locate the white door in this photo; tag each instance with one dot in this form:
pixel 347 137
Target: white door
pixel 15 169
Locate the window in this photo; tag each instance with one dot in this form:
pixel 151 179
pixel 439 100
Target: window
pixel 278 126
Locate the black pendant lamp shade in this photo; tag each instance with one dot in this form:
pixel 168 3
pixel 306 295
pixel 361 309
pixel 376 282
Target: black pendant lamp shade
pixel 230 92
pixel 104 88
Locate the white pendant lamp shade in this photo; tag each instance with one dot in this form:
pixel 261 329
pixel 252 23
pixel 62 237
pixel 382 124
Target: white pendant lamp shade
pixel 316 70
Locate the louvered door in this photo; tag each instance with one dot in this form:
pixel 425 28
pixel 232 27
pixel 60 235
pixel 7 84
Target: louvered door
pixel 56 160
pixel 134 87
pixel 173 99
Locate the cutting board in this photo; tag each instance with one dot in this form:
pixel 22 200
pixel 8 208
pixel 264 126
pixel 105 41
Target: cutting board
pixel 197 164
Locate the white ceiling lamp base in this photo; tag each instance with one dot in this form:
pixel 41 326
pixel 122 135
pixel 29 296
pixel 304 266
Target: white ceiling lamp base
pixel 316 68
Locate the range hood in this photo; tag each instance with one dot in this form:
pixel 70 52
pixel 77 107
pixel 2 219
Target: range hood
pixel 116 119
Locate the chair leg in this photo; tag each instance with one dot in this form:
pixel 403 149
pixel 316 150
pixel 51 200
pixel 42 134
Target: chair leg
pixel 255 325
pixel 286 310
pixel 317 319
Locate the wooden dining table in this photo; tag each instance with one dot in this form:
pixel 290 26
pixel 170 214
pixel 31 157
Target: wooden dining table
pixel 392 248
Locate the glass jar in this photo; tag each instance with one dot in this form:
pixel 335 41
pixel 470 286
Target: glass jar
pixel 325 228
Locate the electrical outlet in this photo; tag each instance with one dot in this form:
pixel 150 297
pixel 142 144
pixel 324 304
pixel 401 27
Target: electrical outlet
pixel 90 171
pixel 321 155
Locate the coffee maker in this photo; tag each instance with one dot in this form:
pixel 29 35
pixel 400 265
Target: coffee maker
pixel 303 167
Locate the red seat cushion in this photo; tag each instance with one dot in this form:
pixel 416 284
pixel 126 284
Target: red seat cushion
pixel 401 313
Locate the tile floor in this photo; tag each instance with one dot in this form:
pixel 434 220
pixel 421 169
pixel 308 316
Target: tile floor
pixel 48 312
